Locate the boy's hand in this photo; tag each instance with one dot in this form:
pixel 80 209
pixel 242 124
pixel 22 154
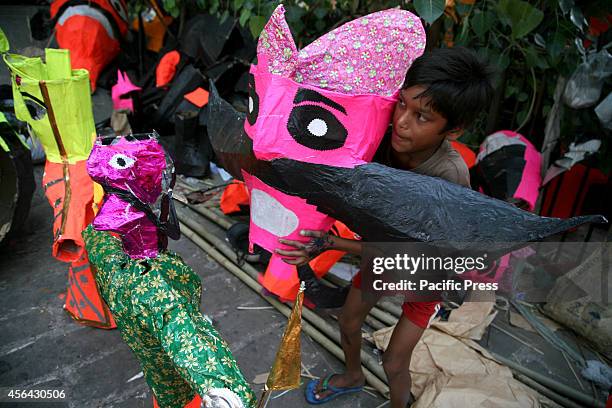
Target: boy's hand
pixel 321 241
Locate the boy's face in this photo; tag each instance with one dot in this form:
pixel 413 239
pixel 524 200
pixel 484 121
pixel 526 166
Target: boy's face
pixel 416 127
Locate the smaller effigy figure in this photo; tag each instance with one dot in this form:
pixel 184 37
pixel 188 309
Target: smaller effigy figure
pixel 153 294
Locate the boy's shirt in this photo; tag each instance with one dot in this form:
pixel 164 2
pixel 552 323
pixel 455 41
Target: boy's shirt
pixel 446 163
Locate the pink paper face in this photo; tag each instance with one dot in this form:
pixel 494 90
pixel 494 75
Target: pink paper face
pixel 120 92
pixel 130 166
pixel 331 102
pixel 313 125
pixel 134 167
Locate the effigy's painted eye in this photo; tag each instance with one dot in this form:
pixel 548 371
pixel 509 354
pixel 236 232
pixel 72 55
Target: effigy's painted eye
pixel 253 111
pixel 314 126
pixel 121 161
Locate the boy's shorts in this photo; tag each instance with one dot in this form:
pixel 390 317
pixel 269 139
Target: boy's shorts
pixel 419 313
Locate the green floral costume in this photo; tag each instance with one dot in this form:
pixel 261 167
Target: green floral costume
pixel 156 305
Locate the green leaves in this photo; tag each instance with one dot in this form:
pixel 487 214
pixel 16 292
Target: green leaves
pixel 555 47
pixel 462 37
pixel 320 12
pixel 172 8
pixel 521 116
pixel 294 13
pixel 520 16
pixel 224 16
pixel 494 57
pixel 510 90
pixel 429 10
pixel 482 23
pixel 256 24
pixel 244 16
pixel 534 59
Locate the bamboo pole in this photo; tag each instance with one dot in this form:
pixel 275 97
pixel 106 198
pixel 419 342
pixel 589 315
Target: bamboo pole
pixel 548 382
pixel 362 330
pixel 394 309
pixel 218 218
pixel 547 392
pixel 384 311
pixel 223 222
pixel 334 280
pixel 374 323
pixel 307 326
pixel 383 316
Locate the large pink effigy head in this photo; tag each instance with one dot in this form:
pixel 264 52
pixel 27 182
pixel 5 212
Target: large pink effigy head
pixel 331 102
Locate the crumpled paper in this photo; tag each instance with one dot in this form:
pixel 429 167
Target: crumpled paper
pixel 576 153
pixel 578 300
pixel 451 372
pixel 438 352
pixel 469 321
pixel 486 391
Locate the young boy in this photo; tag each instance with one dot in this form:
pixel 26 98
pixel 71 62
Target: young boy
pixel 443 92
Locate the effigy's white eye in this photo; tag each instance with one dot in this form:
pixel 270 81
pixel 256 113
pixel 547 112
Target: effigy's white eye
pixel 317 127
pixel 121 161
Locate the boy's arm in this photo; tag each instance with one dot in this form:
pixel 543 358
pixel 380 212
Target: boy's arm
pixel 321 241
pixel 352 246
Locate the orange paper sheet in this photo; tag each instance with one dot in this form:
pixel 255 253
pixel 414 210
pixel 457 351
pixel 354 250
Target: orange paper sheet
pixel 199 97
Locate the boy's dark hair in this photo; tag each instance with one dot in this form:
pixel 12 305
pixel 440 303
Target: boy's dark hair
pixel 458 82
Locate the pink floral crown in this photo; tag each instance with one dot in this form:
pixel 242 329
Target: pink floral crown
pixel 369 55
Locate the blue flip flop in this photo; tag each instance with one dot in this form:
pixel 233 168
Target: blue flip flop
pixel 311 388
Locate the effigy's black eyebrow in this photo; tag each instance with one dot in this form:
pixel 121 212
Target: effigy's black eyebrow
pixel 308 95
